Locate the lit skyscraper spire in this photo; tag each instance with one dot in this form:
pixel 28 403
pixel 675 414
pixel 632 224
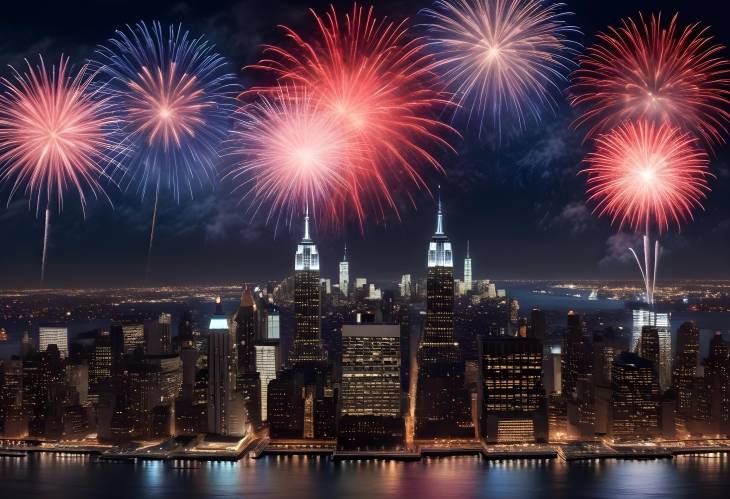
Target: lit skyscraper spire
pixel 345 275
pixel 442 405
pixel 439 249
pixel 440 218
pixel 467 270
pixel 307 256
pixel 307 345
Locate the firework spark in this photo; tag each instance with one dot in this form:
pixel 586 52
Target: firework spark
pixel 379 85
pixel 502 58
pixel 647 70
pixel 55 134
pixel 294 153
pixel 175 97
pixel 643 173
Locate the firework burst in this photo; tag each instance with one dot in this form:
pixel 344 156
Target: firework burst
pixel 55 135
pixel 643 174
pixel 175 97
pixel 378 84
pixel 293 153
pixel 648 70
pixel 502 58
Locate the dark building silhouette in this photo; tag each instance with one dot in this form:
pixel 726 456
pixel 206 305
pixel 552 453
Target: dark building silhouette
pixel 247 378
pixel 685 366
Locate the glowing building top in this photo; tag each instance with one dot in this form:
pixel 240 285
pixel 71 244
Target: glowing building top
pixel 219 321
pixel 307 257
pixel 439 249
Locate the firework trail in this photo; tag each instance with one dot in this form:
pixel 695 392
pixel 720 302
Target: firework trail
pixel 175 96
pixel 378 83
pixel 643 175
pixel 502 58
pixel 648 70
pixel 56 133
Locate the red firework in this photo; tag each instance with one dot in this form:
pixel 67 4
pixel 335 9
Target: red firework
pixel 659 73
pixel 379 85
pixel 293 154
pixel 54 133
pixel 643 172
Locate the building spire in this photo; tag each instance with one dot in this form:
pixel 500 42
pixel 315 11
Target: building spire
pixel 306 222
pixel 440 217
pixel 467 248
pixel 344 258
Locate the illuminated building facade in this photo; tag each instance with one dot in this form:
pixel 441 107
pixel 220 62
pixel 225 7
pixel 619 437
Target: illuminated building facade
pixel 53 335
pixel 307 345
pixel 514 407
pixel 635 400
pixel 468 282
pixel 370 397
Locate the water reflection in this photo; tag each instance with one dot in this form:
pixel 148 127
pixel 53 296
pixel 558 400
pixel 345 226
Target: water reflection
pixel 67 476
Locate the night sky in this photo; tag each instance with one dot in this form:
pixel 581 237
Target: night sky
pixel 520 202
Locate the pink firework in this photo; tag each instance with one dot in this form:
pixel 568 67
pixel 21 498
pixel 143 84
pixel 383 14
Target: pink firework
pixel 54 133
pixel 293 154
pixel 643 173
pixel 647 70
pixel 377 82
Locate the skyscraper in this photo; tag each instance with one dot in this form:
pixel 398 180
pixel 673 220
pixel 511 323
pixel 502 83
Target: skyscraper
pixel 685 365
pixel 220 380
pixel 53 335
pixel 661 321
pixel 273 322
pixel 159 335
pixel 345 276
pixel 649 346
pixel 268 360
pixel 467 270
pixel 247 378
pixel 405 286
pixel 302 400
pixel 370 403
pixel 307 345
pixel 443 407
pixel 514 407
pixel 635 397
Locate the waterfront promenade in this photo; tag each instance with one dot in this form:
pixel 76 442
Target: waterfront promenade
pixel 206 448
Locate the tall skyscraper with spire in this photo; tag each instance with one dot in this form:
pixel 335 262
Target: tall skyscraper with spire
pixel 307 345
pixel 467 270
pixel 345 275
pixel 442 402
